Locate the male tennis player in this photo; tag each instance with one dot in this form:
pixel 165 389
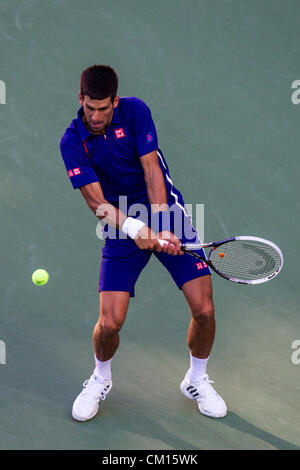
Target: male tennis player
pixel 111 150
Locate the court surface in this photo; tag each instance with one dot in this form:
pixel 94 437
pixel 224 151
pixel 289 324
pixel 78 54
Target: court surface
pixel 217 76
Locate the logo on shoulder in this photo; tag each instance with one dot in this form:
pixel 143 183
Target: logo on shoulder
pixel 149 137
pixel 74 172
pixel 119 133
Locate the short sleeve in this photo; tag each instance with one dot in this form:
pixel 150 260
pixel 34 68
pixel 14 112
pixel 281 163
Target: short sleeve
pixel 143 127
pixel 77 162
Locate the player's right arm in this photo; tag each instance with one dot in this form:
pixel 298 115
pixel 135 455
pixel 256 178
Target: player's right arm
pixel 105 211
pixel 111 215
pixel 83 176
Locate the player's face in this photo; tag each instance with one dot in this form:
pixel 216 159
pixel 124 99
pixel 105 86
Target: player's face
pixel 98 113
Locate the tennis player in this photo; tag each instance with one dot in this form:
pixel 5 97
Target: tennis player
pixel 111 153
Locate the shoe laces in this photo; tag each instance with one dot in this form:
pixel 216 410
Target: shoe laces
pixel 204 388
pixel 93 387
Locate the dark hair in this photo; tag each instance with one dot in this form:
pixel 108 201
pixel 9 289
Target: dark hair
pixel 99 82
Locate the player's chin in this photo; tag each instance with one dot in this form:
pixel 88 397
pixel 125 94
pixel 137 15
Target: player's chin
pixel 96 127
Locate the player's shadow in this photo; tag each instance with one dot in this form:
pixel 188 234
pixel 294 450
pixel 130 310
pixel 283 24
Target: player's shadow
pixel 146 426
pixel 152 428
pixel 236 422
pixel 122 413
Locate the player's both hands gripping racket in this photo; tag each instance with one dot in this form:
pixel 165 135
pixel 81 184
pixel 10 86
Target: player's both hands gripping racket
pixel 243 259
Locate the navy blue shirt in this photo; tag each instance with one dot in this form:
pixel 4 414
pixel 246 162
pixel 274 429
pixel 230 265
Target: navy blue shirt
pixel 112 159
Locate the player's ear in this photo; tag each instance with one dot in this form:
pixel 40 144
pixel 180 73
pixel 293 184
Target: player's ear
pixel 80 97
pixel 116 101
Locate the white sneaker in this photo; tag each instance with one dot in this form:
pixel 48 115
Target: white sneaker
pixel 86 404
pixel 209 401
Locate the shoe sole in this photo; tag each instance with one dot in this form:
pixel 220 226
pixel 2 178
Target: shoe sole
pixel 94 414
pixel 183 386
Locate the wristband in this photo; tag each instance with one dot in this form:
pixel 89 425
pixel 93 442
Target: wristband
pixel 131 227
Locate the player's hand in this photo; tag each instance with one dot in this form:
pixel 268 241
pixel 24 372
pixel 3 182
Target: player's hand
pixel 147 240
pixel 173 247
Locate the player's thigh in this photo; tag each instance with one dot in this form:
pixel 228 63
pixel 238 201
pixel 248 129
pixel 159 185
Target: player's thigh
pixel 121 264
pixel 199 295
pixel 113 306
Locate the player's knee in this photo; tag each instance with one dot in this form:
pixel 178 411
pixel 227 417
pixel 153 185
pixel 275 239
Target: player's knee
pixel 203 313
pixel 108 329
pixel 108 326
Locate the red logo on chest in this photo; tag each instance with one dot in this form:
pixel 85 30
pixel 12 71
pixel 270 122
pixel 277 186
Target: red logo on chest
pixel 119 133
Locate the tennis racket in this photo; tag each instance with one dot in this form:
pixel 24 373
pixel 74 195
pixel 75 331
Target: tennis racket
pixel 242 259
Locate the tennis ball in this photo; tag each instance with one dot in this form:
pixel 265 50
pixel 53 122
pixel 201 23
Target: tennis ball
pixel 40 277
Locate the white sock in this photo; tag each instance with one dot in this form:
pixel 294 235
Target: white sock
pixel 103 368
pixel 197 368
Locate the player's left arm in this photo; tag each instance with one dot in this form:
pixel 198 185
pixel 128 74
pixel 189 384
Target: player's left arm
pixel 157 192
pixel 155 183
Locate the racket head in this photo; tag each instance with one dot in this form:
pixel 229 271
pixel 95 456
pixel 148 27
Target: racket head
pixel 246 259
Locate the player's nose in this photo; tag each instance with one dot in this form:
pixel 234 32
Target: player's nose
pixel 96 116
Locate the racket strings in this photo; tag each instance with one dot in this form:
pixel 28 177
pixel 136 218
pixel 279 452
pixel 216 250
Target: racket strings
pixel 246 260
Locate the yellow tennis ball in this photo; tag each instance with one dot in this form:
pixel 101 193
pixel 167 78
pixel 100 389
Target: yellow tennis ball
pixel 40 277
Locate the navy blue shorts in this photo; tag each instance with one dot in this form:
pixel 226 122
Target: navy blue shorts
pixel 122 262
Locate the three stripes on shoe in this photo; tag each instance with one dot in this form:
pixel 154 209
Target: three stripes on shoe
pixel 192 391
